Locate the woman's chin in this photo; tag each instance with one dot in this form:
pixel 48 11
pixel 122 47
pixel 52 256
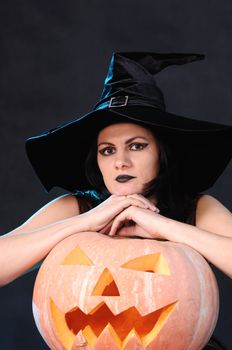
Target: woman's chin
pixel 125 191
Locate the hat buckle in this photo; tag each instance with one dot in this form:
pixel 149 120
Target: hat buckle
pixel 118 101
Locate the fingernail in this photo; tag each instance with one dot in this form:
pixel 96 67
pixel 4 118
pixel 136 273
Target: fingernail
pixel 156 209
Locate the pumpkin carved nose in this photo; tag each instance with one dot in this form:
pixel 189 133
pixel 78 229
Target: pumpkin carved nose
pixel 106 285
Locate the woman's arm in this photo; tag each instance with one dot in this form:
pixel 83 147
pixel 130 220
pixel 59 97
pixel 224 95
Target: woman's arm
pixel 28 244
pixel 24 247
pixel 211 237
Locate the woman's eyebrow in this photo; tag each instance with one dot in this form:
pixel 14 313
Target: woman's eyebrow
pixel 128 141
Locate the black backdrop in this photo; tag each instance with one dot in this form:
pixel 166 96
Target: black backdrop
pixel 54 57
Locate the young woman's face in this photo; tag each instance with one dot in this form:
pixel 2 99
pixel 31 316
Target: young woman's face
pixel 127 149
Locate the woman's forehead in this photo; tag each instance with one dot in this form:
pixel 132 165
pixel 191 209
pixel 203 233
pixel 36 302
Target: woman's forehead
pixel 121 130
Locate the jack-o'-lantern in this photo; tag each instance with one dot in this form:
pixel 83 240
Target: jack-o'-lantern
pixel 124 293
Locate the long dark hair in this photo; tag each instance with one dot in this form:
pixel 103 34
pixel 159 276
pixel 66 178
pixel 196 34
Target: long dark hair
pixel 173 199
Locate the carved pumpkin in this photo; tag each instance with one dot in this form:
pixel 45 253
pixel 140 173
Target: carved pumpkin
pixel 124 293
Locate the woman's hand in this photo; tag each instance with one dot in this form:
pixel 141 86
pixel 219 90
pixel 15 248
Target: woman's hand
pixel 211 237
pixel 142 223
pixel 133 231
pixel 101 218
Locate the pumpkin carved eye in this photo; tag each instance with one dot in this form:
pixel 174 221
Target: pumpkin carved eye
pixel 77 257
pixel 149 263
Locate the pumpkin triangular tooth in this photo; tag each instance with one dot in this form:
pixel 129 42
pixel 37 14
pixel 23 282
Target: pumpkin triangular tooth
pixel 79 341
pixel 132 337
pixel 96 308
pixel 89 336
pixel 109 333
pixel 166 312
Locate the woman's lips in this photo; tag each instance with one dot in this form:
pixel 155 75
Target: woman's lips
pixel 124 178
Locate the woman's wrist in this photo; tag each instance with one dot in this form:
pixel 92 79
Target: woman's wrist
pixel 169 229
pixel 76 224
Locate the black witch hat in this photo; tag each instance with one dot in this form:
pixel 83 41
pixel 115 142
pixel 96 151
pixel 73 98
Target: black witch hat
pixel 130 94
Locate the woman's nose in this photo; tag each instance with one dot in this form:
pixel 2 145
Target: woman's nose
pixel 122 161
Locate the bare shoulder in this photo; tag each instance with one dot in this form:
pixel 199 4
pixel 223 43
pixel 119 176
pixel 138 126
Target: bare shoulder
pixel 209 203
pixel 213 216
pixel 58 209
pixel 66 203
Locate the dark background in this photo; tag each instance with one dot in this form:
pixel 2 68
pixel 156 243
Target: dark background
pixel 54 58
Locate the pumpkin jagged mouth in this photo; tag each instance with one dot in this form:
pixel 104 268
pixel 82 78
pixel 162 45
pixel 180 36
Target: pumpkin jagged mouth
pixel 120 326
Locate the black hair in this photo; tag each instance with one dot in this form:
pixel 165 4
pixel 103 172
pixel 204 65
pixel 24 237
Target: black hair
pixel 174 200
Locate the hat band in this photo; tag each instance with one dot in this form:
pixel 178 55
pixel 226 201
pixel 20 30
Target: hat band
pixel 122 101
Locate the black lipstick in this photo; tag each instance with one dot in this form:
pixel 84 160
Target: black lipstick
pixel 124 178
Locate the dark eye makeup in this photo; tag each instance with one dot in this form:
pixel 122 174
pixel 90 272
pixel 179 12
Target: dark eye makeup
pixel 109 149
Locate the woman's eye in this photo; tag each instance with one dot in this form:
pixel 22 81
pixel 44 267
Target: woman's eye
pixel 134 147
pixel 106 151
pixel 138 146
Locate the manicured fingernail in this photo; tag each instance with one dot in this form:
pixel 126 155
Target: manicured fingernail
pixel 156 209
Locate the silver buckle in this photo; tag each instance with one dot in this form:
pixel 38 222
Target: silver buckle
pixel 115 101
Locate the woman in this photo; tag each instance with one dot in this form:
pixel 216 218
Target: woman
pixel 139 171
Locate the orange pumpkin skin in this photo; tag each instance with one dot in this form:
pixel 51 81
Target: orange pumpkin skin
pixel 125 293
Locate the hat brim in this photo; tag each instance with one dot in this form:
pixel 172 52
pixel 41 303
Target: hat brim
pixel 203 149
